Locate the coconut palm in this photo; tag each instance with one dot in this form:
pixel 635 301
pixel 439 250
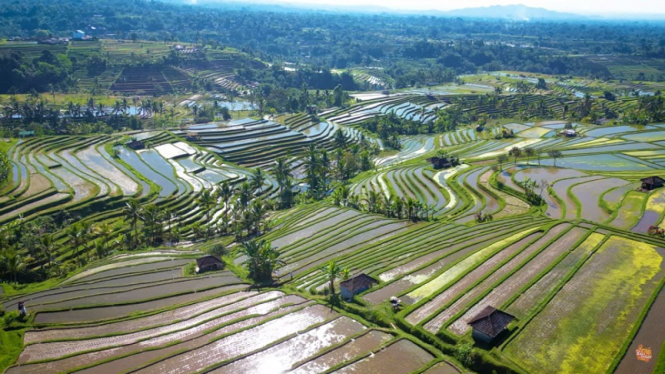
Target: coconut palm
pixel 529 152
pixel 206 201
pixel 47 245
pixel 554 154
pixel 225 193
pixel 257 178
pixel 76 237
pixel 244 194
pixel 262 259
pixel 332 271
pixel 13 262
pixel 515 152
pixel 282 172
pixel 132 212
pixel 502 159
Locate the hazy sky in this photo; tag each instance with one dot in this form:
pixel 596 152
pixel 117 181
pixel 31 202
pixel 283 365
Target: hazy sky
pixel 575 6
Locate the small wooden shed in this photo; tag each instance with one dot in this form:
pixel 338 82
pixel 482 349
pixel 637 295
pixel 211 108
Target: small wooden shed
pixel 489 324
pixel 356 285
pixel 440 162
pixel 652 183
pixel 208 263
pixel 136 145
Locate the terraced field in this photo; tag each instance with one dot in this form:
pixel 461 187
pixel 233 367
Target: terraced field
pixel 225 328
pixel 579 272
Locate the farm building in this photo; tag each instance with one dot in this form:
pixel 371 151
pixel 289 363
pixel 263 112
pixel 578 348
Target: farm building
pixel 568 133
pixel 442 162
pixel 489 324
pixel 78 35
pixel 136 145
pixel 652 183
pixel 192 136
pixel 356 285
pixel 208 263
pixel 25 134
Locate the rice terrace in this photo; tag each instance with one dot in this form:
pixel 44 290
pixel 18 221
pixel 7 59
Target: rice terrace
pixel 224 188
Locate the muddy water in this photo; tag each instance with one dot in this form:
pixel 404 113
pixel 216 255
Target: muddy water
pixel 500 294
pixel 467 280
pixel 378 229
pixel 356 347
pixel 124 266
pixel 315 228
pixel 100 287
pixel 109 312
pixel 442 368
pixel 529 300
pixel 401 357
pixel 139 323
pixel 283 356
pixel 651 335
pixel 442 318
pixel 588 195
pixel 139 356
pixel 145 292
pixel 561 189
pixel 397 287
pixel 242 342
pixel 45 351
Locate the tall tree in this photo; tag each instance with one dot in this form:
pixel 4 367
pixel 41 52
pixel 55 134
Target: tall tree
pixel 206 201
pixel 515 152
pixel 332 271
pixel 554 154
pixel 132 212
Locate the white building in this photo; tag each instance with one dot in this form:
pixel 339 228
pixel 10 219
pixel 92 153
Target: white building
pixel 78 34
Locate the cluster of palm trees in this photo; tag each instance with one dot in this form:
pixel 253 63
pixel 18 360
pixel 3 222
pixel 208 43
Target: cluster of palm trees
pixel 389 205
pixel 528 152
pixel 261 260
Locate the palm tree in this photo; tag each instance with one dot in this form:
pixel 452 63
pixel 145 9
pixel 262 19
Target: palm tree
pixel 257 209
pixel 261 260
pixel 244 194
pixel 555 154
pixel 225 193
pixel 76 234
pixel 133 211
pixel 206 200
pixel 13 261
pixel 529 152
pixel 48 246
pixel 256 179
pixel 282 172
pixel 332 271
pixel 515 152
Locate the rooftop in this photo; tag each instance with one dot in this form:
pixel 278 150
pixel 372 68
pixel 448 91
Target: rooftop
pixel 358 282
pixel 208 260
pixel 491 321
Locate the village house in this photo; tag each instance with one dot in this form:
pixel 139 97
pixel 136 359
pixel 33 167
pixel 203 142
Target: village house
pixel 136 145
pixel 78 35
pixel 356 285
pixel 489 324
pixel 652 183
pixel 443 162
pixel 208 263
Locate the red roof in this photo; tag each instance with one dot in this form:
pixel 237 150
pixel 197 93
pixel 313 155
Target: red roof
pixel 491 321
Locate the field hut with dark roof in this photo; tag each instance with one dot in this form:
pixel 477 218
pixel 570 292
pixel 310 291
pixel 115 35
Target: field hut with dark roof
pixel 489 324
pixel 356 285
pixel 136 145
pixel 208 263
pixel 652 183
